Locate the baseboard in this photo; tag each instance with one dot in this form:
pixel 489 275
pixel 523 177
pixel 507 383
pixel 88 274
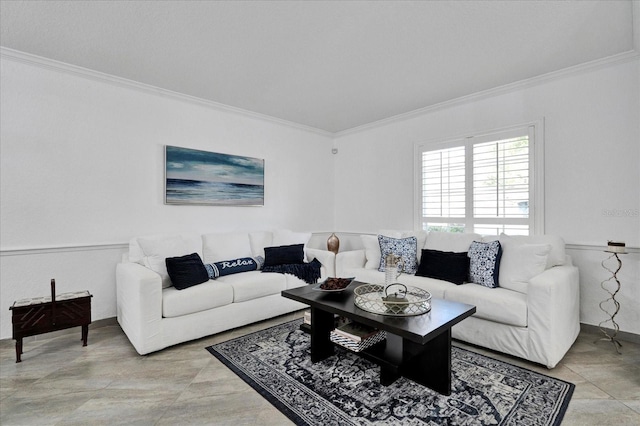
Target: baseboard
pixel 106 322
pixel 622 335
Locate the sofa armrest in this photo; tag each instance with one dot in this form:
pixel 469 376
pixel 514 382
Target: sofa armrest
pixel 139 306
pixel 352 259
pixel 553 300
pixel 327 258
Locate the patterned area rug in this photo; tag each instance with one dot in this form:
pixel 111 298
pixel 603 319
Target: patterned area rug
pixel 345 389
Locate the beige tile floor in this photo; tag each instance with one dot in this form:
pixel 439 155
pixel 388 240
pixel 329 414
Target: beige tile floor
pixel 107 383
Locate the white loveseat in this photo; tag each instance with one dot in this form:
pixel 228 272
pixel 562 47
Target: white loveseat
pixel 533 314
pixel 155 315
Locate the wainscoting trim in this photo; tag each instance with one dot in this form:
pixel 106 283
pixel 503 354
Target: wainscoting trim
pixel 28 251
pixel 124 246
pixel 597 248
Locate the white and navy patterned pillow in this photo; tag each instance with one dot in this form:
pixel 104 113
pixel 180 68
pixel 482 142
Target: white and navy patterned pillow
pixel 484 264
pixel 406 248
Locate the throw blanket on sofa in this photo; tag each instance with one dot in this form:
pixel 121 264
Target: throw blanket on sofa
pixel 308 272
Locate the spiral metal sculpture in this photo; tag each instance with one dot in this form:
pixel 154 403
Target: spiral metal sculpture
pixel 616 305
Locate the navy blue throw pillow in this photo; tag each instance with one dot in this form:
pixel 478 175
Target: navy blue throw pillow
pixel 186 271
pixel 284 255
pixel 444 265
pixel 228 267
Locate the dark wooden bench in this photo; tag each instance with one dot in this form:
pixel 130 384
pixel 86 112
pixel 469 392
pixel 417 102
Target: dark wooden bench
pixel 45 314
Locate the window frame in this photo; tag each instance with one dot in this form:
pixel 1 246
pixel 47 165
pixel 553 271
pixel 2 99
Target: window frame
pixel 535 131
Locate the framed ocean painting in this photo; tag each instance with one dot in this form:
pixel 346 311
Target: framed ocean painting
pixel 211 178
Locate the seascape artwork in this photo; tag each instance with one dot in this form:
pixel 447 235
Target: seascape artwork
pixel 202 177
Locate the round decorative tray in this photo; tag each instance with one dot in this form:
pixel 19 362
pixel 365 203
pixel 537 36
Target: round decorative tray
pixel 370 297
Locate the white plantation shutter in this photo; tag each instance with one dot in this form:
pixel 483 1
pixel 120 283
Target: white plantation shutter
pixel 443 183
pixel 501 178
pixel 481 184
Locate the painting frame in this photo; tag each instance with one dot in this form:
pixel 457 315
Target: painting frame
pixel 197 177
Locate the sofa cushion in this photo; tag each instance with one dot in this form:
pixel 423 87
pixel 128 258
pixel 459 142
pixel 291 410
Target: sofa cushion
pixel 284 237
pixel 557 254
pixel 421 240
pixel 209 295
pixel 520 263
pixel 406 248
pixel 393 233
pixel 258 241
pixel 223 246
pixel 372 276
pixel 444 265
pixel 152 251
pixel 450 241
pixel 484 265
pixel 186 271
pixel 372 251
pixel 136 254
pixel 434 286
pixel 493 304
pixel 254 284
pixel 283 255
pixel 292 281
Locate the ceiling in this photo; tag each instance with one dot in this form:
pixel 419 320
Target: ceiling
pixel 329 65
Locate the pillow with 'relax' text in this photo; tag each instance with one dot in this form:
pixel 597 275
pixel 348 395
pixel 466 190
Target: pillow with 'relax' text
pixel 235 266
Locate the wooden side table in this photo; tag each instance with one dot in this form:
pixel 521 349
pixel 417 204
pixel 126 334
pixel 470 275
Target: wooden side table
pixel 45 314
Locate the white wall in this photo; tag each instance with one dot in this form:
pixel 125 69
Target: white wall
pixel 592 173
pixel 82 166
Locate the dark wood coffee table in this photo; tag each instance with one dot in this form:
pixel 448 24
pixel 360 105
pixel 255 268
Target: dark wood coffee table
pixel 417 347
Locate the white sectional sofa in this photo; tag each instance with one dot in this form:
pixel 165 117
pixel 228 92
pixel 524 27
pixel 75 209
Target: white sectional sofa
pixel 155 315
pixel 533 314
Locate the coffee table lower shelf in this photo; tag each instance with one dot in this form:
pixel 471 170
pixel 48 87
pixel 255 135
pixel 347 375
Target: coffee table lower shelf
pixel 428 364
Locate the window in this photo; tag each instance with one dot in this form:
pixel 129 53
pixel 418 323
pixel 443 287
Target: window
pixel 487 184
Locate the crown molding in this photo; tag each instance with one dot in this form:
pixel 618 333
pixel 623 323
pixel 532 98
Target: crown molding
pixel 620 58
pixel 59 66
pixel 52 64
